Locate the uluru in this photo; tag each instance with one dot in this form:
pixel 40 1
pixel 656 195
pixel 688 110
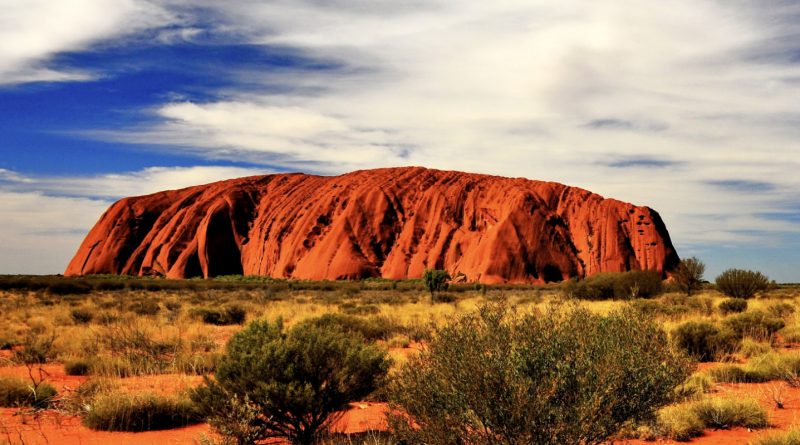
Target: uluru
pixel 391 223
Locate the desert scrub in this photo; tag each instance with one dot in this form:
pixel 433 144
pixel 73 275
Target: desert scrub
pixel 371 328
pixel 119 411
pixel 228 315
pixel 16 392
pixel 695 386
pixel 495 377
pixel 733 305
pixel 741 283
pixel 273 383
pixel 756 324
pixel 703 340
pixel 751 348
pixel 763 368
pixel 791 437
pixel 687 420
pixel 78 367
pixel 615 285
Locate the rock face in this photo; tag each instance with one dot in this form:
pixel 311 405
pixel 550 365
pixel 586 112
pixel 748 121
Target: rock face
pixel 391 223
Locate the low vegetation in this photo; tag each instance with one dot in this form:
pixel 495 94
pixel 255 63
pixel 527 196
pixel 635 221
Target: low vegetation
pixel 273 383
pixel 603 326
pixel 120 411
pixel 497 377
pixel 738 283
pixel 16 392
pixel 685 421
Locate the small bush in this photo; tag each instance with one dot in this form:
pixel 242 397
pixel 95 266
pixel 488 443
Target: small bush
pixel 762 368
pixel 145 307
pixel 688 275
pixel 679 423
pixel 115 411
pixel 69 288
pixel 733 305
pixel 756 324
pixel 719 413
pixel 371 328
pixel 781 310
pixel 435 280
pixel 276 384
pixel 528 377
pixel 78 367
pixel 695 386
pixel 739 283
pixel 791 437
pixel 658 308
pixel 615 285
pixel 685 421
pixel 81 316
pixel 229 315
pixel 751 348
pixel 703 340
pixel 15 392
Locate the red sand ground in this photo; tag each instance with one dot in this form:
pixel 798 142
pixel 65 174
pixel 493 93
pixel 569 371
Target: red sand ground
pixel 54 428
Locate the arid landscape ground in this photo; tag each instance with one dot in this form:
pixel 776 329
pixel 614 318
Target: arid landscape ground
pixel 126 337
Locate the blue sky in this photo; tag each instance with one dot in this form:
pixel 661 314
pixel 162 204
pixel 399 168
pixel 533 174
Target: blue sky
pixel 690 106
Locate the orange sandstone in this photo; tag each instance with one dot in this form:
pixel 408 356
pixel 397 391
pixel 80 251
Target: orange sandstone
pixel 391 223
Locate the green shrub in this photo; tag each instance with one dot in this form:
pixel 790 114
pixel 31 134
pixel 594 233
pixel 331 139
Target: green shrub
pixel 688 275
pixel 117 411
pixel 740 283
pixel 435 280
pixel 733 305
pixel 78 367
pixel 371 328
pixel 685 421
pixel 15 392
pixel 228 315
pixel 145 307
pixel 619 285
pixel 751 348
pixel 781 310
pixel 492 377
pixel 762 368
pixel 703 340
pixel 81 316
pixel 791 437
pixel 654 308
pixel 756 324
pixel 719 413
pixel 272 383
pixel 69 288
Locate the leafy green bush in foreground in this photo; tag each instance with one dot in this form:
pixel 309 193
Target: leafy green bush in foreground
pixel 277 384
pixel 565 376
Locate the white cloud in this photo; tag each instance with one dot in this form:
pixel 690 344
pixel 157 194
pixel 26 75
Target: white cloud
pixel 523 88
pixel 33 31
pixel 44 219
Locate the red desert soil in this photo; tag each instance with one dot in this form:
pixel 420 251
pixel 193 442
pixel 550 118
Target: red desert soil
pixel 391 223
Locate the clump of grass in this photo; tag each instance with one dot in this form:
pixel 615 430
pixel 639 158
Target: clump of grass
pixel 228 315
pixel 678 423
pixel 117 411
pixel 684 421
pixel 78 367
pixel 703 340
pixel 756 324
pixel 752 348
pixel 81 316
pixel 791 437
pixel 733 306
pixel 763 368
pixel 16 392
pixel 695 386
